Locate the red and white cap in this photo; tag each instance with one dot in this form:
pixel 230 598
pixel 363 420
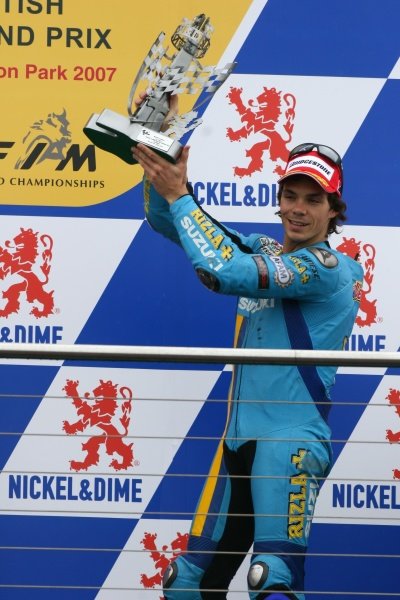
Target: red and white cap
pixel 312 164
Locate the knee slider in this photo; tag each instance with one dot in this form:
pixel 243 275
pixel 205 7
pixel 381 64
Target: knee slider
pixel 181 580
pixel 257 575
pixel 270 578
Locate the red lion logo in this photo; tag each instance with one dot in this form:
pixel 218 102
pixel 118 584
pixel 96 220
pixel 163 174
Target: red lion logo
pixel 263 116
pixel 161 561
pixel 394 437
pixel 18 259
pixel 99 413
pixel 366 256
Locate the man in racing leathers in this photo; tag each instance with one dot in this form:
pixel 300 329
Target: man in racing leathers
pixel 275 450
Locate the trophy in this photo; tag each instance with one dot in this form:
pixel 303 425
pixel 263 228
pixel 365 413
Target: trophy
pixel 181 73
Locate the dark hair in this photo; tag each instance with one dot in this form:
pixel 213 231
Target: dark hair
pixel 339 205
pixel 335 202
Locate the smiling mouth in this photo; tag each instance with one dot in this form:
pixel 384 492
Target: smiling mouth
pixel 297 223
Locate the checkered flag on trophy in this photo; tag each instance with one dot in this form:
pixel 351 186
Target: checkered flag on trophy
pixel 164 76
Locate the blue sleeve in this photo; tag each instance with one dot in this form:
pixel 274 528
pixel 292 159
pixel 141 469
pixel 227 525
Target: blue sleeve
pixel 223 265
pixel 160 218
pixel 157 213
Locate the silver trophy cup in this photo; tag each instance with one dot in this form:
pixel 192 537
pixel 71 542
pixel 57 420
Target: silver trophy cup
pixel 181 73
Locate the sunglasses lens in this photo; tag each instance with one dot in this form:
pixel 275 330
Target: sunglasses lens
pixel 301 148
pixel 323 150
pixel 330 153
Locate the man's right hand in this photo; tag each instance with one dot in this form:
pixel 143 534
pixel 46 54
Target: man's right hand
pixel 168 179
pixel 173 107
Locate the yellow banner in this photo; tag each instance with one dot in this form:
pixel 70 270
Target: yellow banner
pixel 63 60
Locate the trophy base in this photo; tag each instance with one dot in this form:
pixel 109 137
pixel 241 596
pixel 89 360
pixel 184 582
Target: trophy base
pixel 117 134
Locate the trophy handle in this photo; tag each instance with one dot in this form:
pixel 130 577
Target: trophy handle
pixel 157 51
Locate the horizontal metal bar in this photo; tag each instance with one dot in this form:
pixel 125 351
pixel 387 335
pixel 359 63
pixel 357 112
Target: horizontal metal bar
pixel 338 403
pixel 221 476
pixel 329 594
pixel 197 438
pixel 196 551
pixel 186 515
pixel 91 352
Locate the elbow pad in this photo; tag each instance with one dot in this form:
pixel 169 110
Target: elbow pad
pixel 208 279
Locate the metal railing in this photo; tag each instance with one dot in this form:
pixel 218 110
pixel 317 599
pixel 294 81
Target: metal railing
pixel 198 355
pixel 140 354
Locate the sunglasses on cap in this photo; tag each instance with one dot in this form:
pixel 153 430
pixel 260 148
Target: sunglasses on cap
pixel 322 150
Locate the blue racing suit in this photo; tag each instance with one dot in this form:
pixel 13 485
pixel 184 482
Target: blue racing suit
pixel 275 450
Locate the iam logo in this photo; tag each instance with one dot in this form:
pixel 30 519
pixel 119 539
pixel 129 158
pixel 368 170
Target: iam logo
pixel 161 558
pixel 270 115
pixel 109 415
pixel 26 253
pixel 394 436
pixel 365 254
pixel 46 139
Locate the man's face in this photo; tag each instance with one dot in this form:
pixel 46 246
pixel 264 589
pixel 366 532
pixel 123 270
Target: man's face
pixel 305 212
